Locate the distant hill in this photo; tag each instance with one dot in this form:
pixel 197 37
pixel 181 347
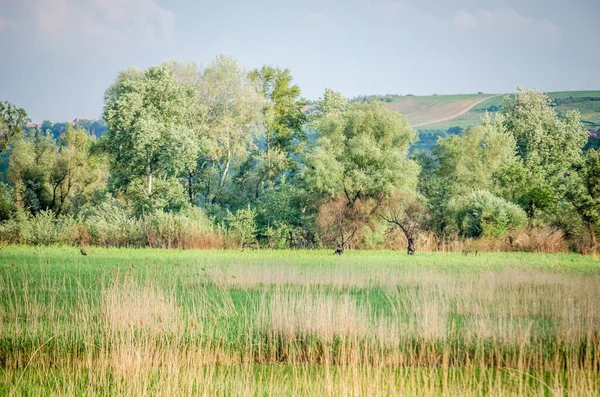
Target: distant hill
pixel 441 115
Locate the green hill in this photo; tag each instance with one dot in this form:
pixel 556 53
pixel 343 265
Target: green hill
pixel 441 115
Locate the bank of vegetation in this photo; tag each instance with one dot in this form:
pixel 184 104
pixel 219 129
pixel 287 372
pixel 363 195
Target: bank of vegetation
pixel 220 157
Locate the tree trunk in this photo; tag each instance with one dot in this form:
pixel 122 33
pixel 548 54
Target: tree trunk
pixel 190 187
pixel 148 176
pixel 410 249
pixel 226 170
pixel 593 241
pixel 411 245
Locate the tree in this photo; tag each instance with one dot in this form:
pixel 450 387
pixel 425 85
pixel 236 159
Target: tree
pixel 74 171
pixel 228 114
pixel 149 135
pixel 283 115
pixel 56 176
pixel 361 154
pixel 549 148
pixel 283 121
pixel 473 158
pixel 461 164
pixel 406 211
pixel 243 226
pixel 31 160
pixel 585 195
pixel 12 119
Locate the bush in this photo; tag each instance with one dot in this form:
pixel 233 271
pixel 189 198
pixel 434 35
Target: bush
pixel 7 201
pixel 483 214
pixel 187 229
pixel 242 226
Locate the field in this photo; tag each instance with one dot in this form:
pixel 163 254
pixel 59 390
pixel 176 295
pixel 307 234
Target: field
pixel 169 322
pixel 441 115
pixel 437 109
pixel 441 112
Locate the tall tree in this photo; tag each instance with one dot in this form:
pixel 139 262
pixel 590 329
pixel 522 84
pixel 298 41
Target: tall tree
pixel 584 193
pixel 12 119
pixel 228 114
pixel 360 157
pixel 283 125
pixel 549 148
pixel 149 135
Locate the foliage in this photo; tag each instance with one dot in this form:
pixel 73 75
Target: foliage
pixel 149 132
pixel 57 176
pixel 212 156
pixel 584 193
pixel 483 214
pixel 242 225
pixel 361 152
pixel 12 120
pixel 228 111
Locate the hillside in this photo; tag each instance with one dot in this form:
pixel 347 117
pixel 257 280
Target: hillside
pixel 441 115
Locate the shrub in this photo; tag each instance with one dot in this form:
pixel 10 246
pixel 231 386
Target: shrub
pixel 187 229
pixel 483 214
pixel 242 226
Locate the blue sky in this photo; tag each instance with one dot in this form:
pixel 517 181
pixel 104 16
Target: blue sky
pixel 59 56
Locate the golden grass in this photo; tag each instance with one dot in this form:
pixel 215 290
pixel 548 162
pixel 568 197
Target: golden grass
pixel 303 331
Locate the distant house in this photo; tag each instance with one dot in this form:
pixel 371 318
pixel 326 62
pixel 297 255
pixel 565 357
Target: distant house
pixel 595 133
pixel 33 125
pixel 75 122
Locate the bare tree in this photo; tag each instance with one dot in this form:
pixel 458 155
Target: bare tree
pixel 407 212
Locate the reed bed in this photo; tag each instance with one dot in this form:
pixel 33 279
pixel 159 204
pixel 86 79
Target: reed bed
pixel 160 322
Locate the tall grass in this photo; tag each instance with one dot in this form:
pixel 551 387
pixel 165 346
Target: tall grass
pixel 144 322
pixel 112 227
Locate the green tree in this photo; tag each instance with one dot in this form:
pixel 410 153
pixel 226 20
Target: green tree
pixel 361 155
pixel 549 148
pixel 242 224
pixel 31 161
pixel 149 115
pixel 283 121
pixel 12 120
pixel 54 176
pixel 584 193
pixel 228 114
pixel 461 164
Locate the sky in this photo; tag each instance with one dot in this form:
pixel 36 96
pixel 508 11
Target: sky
pixel 59 56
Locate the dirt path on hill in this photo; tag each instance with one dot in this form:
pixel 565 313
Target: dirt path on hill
pixel 452 117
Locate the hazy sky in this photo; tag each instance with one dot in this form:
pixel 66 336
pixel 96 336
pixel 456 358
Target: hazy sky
pixel 59 56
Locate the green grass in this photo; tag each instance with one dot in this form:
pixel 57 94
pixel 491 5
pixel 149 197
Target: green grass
pixel 170 322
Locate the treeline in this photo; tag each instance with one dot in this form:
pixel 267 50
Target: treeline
pixel 219 157
pixel 92 127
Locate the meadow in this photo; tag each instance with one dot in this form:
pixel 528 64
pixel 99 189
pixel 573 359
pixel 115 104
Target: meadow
pixel 259 322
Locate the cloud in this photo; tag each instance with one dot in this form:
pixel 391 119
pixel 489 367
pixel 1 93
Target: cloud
pixel 497 21
pixel 325 22
pixel 505 19
pixel 114 21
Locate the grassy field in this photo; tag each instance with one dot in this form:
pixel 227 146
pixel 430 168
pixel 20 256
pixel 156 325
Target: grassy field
pixel 168 322
pixel 426 109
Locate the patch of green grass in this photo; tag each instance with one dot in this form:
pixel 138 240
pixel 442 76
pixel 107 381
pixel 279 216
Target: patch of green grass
pixel 165 322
